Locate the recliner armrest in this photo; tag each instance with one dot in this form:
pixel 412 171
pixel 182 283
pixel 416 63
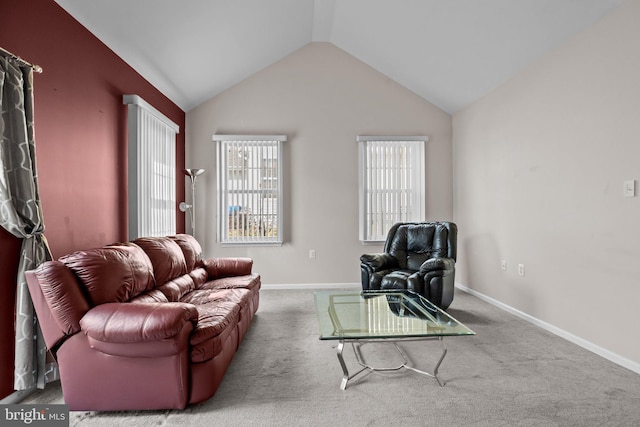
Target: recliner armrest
pixel 137 322
pixel 227 267
pixel 377 262
pixel 434 264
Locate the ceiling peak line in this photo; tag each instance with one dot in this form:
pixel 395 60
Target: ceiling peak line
pixel 323 11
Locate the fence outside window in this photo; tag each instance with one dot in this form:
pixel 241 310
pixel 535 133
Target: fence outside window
pixel 249 188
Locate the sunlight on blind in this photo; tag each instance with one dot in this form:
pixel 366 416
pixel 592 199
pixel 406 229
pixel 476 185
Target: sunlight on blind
pixel 392 182
pixel 152 170
pixel 381 320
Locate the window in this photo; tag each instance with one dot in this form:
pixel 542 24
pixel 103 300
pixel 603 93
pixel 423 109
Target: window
pixel 249 188
pixel 152 170
pixel 392 183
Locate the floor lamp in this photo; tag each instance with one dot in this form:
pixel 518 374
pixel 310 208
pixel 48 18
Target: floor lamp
pixel 193 174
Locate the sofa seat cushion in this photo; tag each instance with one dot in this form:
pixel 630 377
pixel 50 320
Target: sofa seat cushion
pixel 175 289
pixel 154 295
pixel 403 279
pixel 248 281
pixel 240 297
pixel 218 315
pixel 375 281
pixel 199 276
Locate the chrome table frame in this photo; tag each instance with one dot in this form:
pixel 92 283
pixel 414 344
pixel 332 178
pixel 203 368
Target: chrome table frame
pixel 355 344
pixel 366 368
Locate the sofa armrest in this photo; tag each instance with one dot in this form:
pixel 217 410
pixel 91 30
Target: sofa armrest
pixel 228 267
pixel 137 322
pixel 435 264
pixel 378 262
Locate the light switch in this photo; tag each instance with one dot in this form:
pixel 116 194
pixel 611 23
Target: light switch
pixel 630 188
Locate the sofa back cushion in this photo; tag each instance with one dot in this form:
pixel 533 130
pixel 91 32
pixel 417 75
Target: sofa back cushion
pixel 420 245
pixel 112 273
pixel 413 243
pixel 166 257
pixel 65 300
pixel 191 250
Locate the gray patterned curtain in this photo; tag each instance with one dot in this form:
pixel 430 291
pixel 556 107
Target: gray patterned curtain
pixel 21 214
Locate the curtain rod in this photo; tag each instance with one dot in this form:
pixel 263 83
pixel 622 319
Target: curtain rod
pixel 36 68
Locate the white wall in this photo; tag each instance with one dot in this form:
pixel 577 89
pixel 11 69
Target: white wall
pixel 539 166
pixel 321 98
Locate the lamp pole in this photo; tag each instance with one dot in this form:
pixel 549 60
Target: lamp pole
pixel 193 174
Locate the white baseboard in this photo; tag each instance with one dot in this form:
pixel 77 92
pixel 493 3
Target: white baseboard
pixel 17 396
pixel 312 286
pixel 600 351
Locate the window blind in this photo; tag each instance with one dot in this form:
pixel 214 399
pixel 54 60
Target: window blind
pixel 249 188
pixel 152 170
pixel 392 182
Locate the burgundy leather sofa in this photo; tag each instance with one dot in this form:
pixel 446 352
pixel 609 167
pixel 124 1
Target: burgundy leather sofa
pixel 145 324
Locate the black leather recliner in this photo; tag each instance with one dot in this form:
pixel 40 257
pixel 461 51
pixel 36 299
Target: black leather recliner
pixel 419 257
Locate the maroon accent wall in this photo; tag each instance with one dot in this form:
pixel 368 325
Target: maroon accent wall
pixel 80 130
pixel 9 259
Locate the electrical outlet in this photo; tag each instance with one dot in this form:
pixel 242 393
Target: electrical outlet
pixel 312 253
pixel 503 265
pixel 630 188
pixel 521 270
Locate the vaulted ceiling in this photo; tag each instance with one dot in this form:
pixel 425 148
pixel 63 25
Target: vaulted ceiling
pixel 450 52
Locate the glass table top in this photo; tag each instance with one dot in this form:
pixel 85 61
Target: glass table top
pixel 382 314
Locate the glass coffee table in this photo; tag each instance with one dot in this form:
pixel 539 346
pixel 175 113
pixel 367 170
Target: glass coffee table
pixel 393 316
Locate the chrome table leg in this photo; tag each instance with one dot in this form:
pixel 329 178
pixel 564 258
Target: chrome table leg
pixel 345 371
pixel 435 370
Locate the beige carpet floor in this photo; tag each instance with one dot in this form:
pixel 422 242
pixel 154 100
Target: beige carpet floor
pixel 510 374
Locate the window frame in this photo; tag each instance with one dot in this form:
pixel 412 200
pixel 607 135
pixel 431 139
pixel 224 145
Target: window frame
pixel 224 208
pixel 367 228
